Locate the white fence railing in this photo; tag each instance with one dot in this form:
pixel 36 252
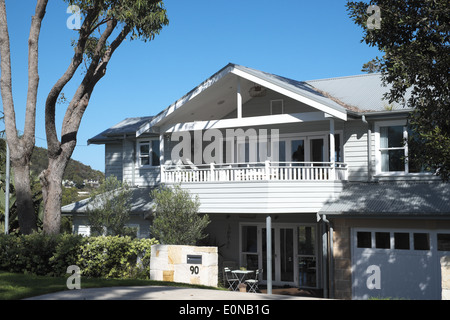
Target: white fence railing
pixel 256 171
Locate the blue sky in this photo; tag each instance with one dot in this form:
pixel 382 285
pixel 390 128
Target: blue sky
pixel 298 39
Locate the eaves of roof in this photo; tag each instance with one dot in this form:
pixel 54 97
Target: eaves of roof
pixel 391 199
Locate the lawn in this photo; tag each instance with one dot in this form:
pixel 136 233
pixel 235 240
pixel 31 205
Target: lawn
pixel 15 286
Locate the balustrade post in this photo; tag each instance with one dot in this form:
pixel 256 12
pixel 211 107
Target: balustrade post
pixel 333 171
pixel 211 167
pixel 163 174
pixel 267 169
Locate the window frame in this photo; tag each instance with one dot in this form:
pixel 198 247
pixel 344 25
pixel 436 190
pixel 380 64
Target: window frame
pixel 148 142
pixel 378 149
pixel 272 106
pixel 377 133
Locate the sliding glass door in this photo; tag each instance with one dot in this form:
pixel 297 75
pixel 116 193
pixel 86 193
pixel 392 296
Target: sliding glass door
pixel 294 253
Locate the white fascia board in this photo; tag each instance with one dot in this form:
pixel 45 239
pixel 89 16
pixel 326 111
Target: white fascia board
pixel 245 122
pixel 186 98
pixel 333 112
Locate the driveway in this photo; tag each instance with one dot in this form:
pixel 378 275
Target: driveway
pixel 160 293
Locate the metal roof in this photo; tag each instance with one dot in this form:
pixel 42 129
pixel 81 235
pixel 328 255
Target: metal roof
pixel 142 203
pixel 364 92
pixel 360 93
pixel 127 126
pixel 300 87
pixel 408 198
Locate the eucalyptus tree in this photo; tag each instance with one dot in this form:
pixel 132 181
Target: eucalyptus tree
pixel 21 147
pixel 104 26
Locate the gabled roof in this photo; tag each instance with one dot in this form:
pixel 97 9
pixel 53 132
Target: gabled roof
pixel 400 198
pixel 300 91
pixel 357 95
pixel 336 96
pixel 125 127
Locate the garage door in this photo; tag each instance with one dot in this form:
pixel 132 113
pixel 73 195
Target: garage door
pixel 398 263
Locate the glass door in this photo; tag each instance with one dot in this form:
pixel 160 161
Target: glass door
pixel 294 253
pixel 286 256
pixel 307 264
pixel 298 150
pixel 282 255
pixel 317 150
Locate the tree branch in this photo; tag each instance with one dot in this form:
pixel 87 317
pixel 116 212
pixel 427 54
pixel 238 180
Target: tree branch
pixel 6 79
pixel 79 102
pixel 33 73
pixel 50 128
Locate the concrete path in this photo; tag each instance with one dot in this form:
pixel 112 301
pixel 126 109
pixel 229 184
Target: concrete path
pixel 160 293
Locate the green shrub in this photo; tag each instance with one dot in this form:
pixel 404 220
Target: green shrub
pixel 115 257
pixel 106 257
pixel 66 253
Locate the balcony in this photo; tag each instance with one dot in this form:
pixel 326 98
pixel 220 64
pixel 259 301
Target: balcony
pixel 187 172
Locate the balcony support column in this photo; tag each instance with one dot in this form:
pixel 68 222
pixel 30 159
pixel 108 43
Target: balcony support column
pixel 239 99
pixel 332 151
pixel 161 157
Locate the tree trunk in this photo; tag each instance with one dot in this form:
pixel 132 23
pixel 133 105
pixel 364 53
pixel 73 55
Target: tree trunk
pixel 24 199
pixel 51 181
pixel 21 148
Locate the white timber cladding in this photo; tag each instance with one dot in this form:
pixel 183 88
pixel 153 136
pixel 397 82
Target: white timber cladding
pixel 113 160
pixel 264 196
pixel 132 173
pixel 355 150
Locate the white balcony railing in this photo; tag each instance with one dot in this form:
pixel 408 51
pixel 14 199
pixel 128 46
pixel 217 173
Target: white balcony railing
pixel 257 171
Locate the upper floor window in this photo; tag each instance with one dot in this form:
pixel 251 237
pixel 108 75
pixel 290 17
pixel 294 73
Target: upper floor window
pixel 148 153
pixel 392 148
pixel 276 106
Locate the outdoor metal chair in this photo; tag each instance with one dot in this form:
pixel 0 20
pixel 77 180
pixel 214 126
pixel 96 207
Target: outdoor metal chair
pixel 232 279
pixel 253 283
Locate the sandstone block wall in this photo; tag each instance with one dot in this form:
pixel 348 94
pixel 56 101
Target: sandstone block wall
pixel 169 263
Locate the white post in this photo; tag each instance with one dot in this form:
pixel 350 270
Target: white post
pixel 267 166
pixel 239 99
pixel 161 157
pixel 332 152
pixel 211 168
pixel 269 253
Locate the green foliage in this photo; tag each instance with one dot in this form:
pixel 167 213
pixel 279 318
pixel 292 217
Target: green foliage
pixel 176 218
pixel 109 208
pixel 414 37
pixel 115 257
pixel 144 18
pixel 106 257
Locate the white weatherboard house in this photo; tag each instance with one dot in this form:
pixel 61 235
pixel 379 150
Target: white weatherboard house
pixel 350 218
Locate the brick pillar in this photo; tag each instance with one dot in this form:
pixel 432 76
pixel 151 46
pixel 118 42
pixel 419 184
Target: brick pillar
pixel 342 260
pixel 445 276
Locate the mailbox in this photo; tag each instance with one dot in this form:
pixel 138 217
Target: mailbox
pixel 194 259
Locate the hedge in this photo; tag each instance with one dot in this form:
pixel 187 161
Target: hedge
pixel 106 257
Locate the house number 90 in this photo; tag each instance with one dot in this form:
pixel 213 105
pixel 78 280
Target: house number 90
pixel 194 270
